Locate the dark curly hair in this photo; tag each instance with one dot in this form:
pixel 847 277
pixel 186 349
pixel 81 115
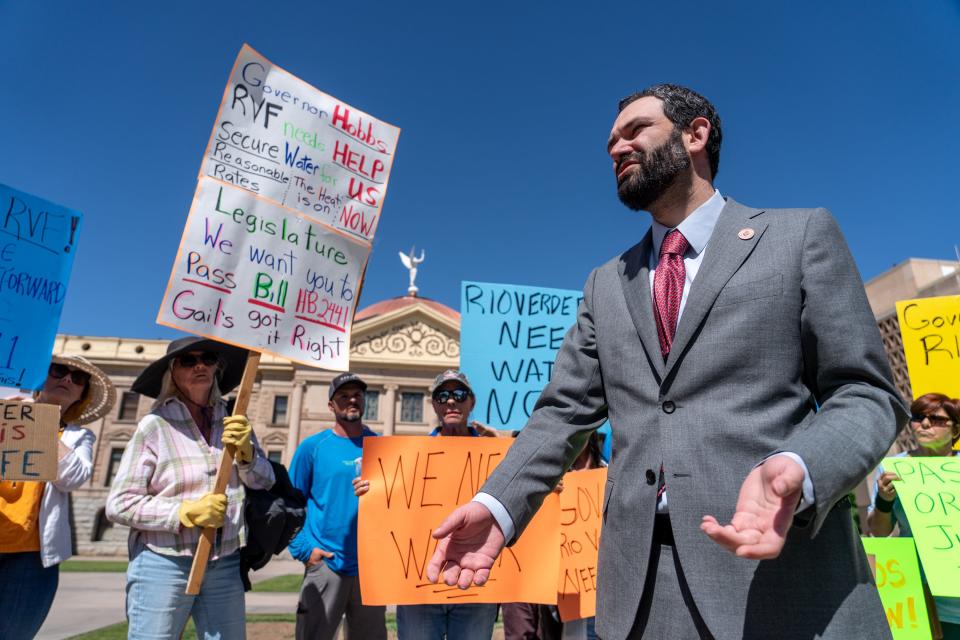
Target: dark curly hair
pixel 681 105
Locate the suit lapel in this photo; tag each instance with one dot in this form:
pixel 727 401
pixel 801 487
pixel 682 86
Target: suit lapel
pixel 634 268
pixel 726 251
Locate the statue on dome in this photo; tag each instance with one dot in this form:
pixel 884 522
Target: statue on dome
pixel 410 261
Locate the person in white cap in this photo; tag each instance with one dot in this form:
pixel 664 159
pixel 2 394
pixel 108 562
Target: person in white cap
pixel 35 516
pixel 453 400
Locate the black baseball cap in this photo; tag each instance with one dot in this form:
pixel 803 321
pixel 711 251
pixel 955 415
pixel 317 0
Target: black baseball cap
pixel 345 378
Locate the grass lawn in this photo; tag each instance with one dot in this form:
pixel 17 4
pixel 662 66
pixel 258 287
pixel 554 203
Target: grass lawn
pixel 101 566
pixel 286 584
pixel 265 621
pixel 119 631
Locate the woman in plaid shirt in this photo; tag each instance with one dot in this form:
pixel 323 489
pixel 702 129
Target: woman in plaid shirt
pixel 163 491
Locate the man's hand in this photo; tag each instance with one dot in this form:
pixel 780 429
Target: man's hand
pixel 317 556
pixel 765 508
pixel 885 486
pixel 360 486
pixel 470 541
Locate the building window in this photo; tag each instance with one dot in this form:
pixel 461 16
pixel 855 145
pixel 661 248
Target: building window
pixel 371 402
pixel 411 407
pixel 275 455
pixel 100 526
pixel 128 406
pixel 115 454
pixel 279 410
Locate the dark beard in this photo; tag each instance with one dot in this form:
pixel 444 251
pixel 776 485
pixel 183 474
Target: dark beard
pixel 656 172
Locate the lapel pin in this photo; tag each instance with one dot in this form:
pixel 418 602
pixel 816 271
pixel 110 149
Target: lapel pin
pixel 745 233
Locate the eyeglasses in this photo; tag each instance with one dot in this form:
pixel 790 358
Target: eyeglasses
pixel 935 421
pixel 59 371
pixel 190 360
pixel 458 395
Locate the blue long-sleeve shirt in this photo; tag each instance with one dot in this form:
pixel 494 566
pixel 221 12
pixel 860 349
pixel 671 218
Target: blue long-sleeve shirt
pixel 323 468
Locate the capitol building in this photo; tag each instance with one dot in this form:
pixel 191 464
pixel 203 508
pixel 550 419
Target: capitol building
pixel 398 346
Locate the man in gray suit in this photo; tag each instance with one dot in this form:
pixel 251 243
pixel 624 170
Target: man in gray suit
pixel 736 357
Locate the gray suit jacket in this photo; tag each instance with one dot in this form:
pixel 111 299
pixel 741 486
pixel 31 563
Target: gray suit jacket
pixel 776 350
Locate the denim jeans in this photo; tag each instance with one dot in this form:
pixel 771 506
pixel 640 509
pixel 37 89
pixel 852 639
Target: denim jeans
pixel 26 593
pixel 450 621
pixel 158 608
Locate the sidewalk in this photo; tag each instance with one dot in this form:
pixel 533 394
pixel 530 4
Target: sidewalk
pixel 88 601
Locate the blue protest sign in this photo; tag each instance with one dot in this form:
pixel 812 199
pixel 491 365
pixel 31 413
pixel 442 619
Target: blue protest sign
pixel 509 338
pixel 37 242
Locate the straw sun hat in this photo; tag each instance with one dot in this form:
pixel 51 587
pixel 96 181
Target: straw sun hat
pixel 102 394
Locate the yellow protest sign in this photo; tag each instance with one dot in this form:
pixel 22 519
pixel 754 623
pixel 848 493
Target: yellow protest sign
pixel 581 516
pixel 901 590
pixel 415 482
pixel 28 440
pixel 930 328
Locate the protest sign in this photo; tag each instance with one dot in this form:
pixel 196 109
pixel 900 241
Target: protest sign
pixel 280 138
pixel 28 440
pixel 929 490
pixel 509 337
pixel 289 191
pixel 930 329
pixel 37 245
pixel 901 590
pixel 259 276
pixel 581 516
pixel 415 482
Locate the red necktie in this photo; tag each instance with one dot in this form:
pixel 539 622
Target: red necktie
pixel 668 288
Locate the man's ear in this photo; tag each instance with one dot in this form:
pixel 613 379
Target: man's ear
pixel 695 135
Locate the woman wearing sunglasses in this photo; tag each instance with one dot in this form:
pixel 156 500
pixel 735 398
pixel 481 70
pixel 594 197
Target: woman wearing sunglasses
pixel 163 491
pixel 453 400
pixel 35 516
pixel 935 423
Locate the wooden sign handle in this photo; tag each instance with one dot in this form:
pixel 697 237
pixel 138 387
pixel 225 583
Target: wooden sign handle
pixel 205 543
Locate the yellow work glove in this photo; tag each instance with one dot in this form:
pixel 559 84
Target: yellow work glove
pixel 238 432
pixel 208 511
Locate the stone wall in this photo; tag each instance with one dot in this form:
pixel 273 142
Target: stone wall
pixel 89 524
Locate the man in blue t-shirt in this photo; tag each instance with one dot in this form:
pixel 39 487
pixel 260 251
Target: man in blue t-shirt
pixel 323 468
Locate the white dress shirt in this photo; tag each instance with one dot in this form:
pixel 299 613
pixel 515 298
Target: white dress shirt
pixel 697 229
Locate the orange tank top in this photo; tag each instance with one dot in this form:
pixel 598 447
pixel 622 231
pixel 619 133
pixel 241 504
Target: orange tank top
pixel 20 522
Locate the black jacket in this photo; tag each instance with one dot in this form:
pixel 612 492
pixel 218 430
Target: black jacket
pixel 274 516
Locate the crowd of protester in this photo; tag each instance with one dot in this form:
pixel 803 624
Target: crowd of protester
pixel 163 491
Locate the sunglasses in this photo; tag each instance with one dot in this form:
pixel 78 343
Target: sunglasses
pixel 935 421
pixel 458 395
pixel 60 371
pixel 190 360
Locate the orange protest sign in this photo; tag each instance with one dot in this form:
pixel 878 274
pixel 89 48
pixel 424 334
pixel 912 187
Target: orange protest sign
pixel 581 509
pixel 415 482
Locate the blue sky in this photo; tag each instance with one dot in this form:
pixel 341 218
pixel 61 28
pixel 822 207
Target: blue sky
pixel 501 173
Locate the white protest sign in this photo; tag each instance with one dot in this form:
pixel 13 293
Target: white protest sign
pixel 259 276
pixel 280 138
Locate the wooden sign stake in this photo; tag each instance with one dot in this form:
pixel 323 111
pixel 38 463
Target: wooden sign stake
pixel 223 477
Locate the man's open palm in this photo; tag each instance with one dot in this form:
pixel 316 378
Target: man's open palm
pixel 765 508
pixel 470 541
